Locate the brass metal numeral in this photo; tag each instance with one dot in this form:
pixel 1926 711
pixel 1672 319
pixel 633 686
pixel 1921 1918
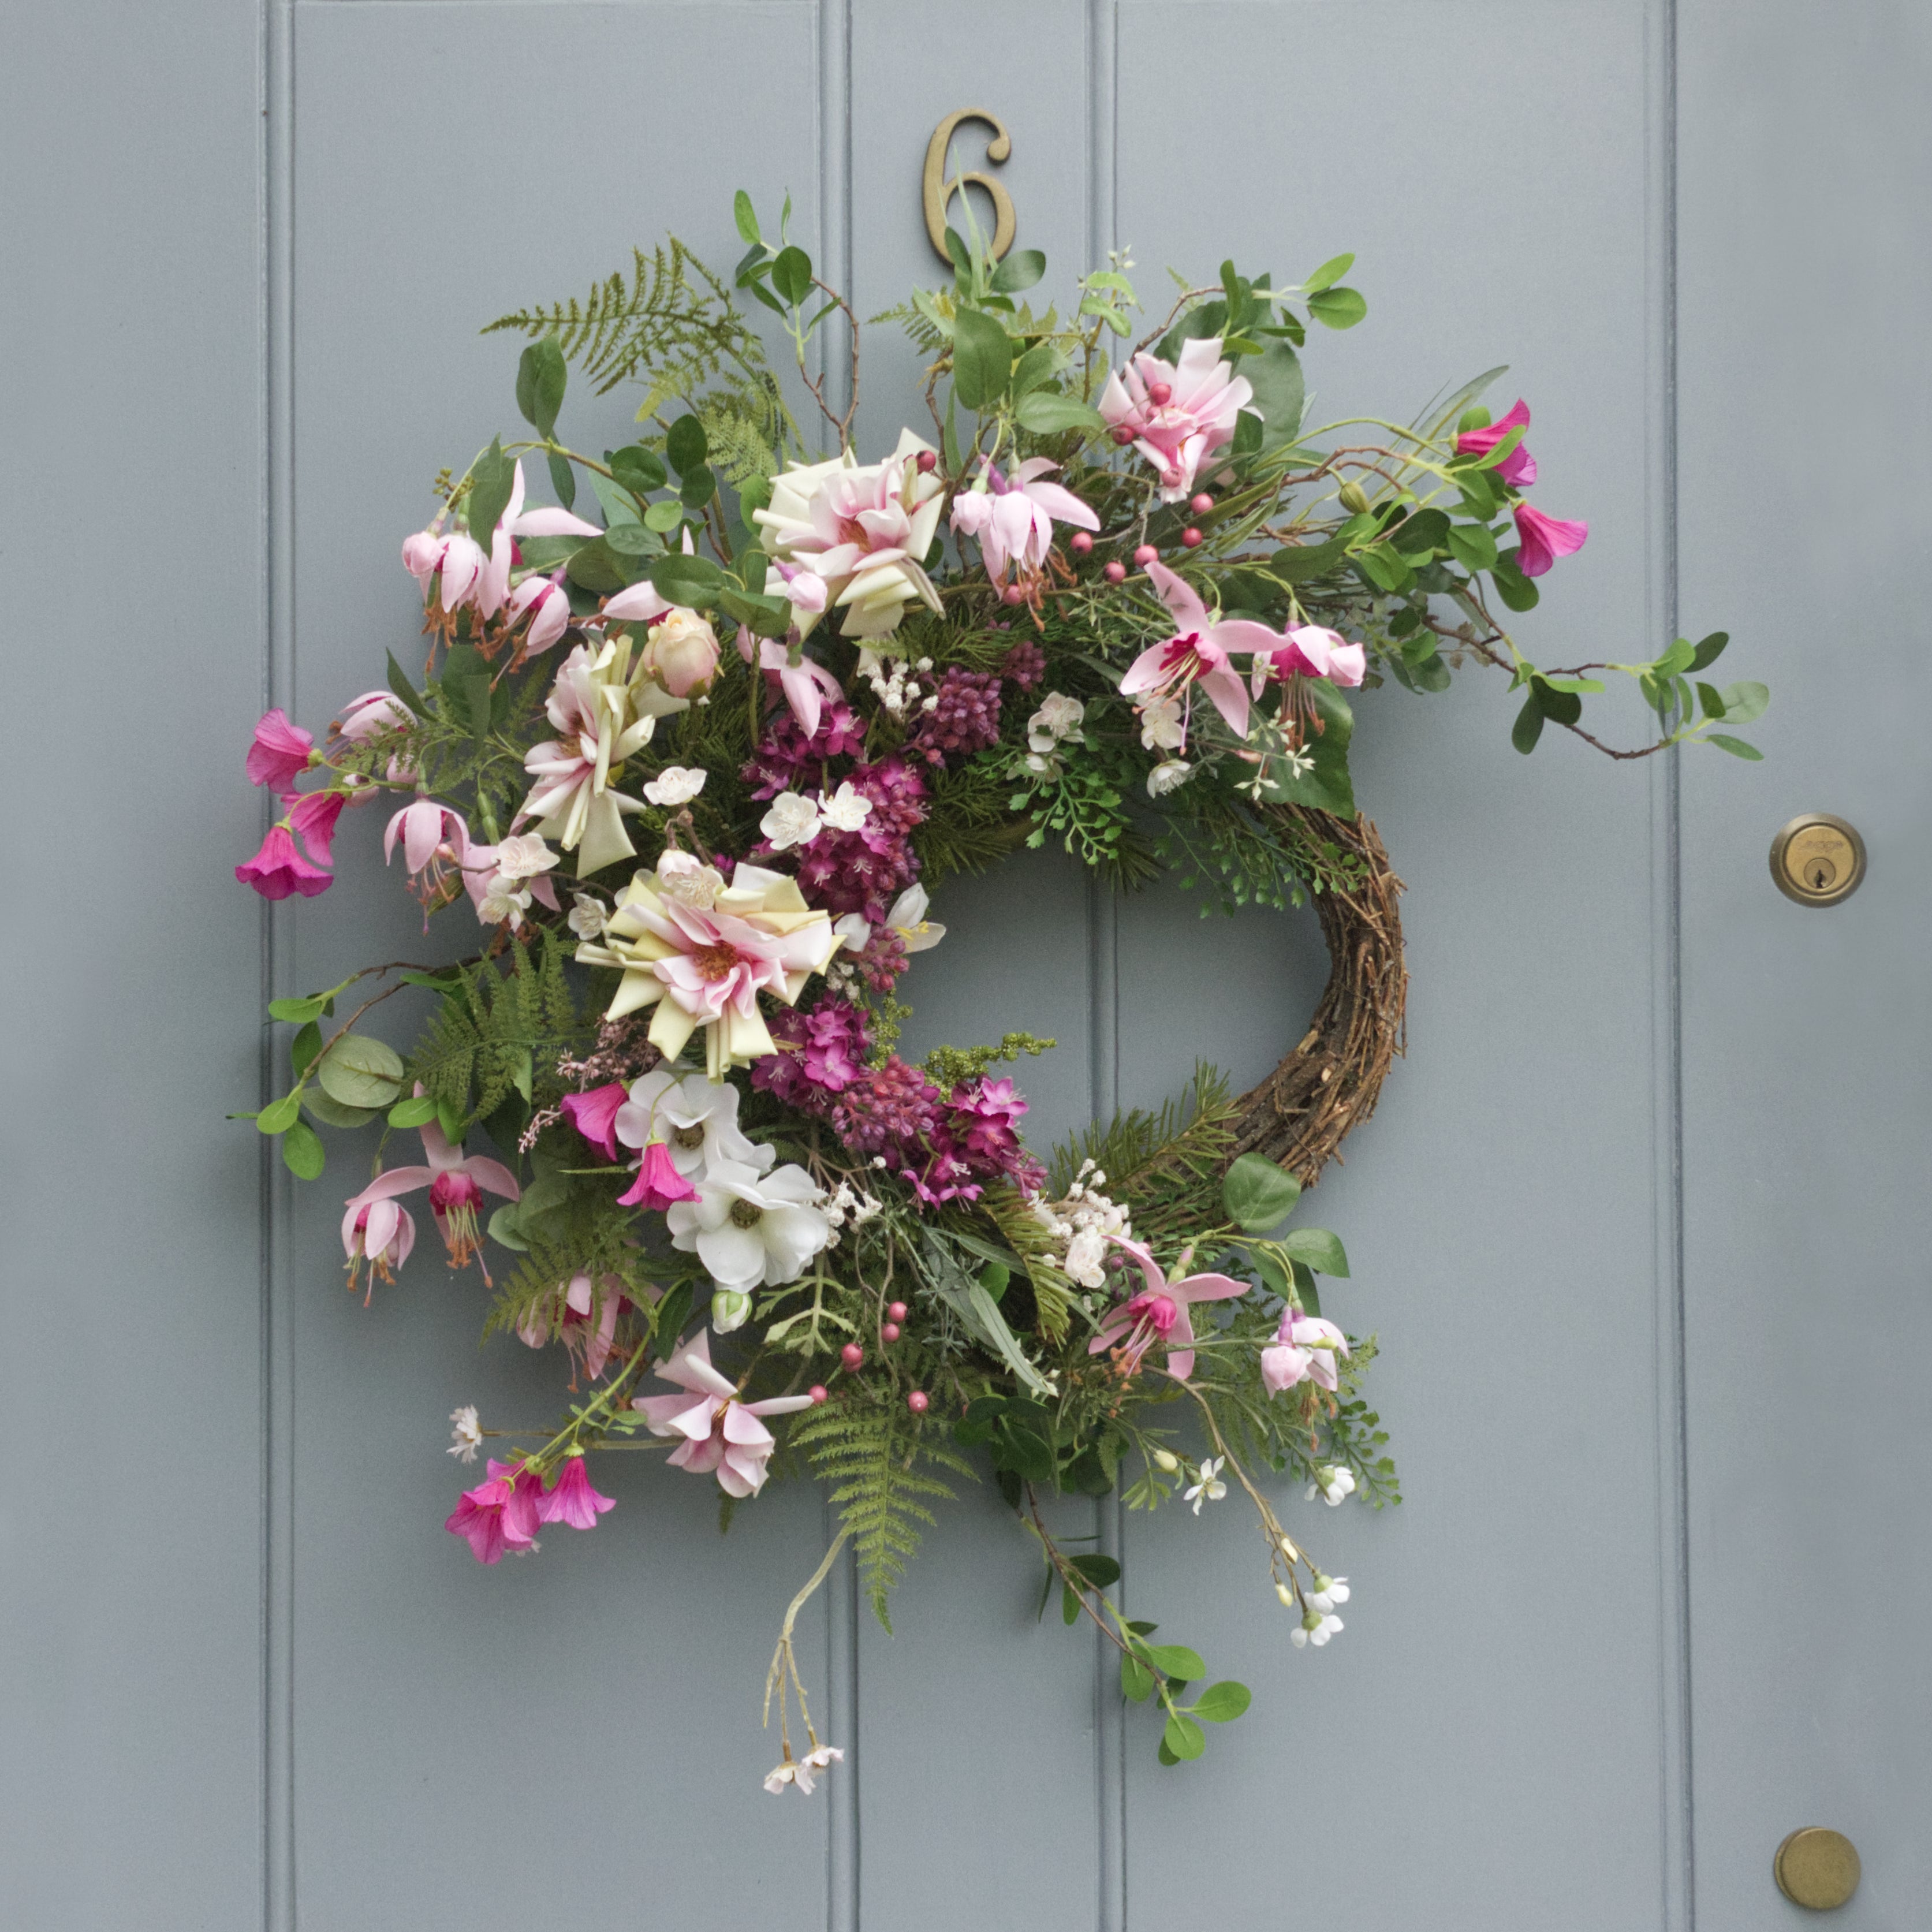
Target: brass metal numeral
pixel 940 191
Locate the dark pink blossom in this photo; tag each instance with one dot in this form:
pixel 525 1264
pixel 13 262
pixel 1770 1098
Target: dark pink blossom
pixel 1544 539
pixel 281 752
pixel 820 1054
pixel 594 1115
pixel 313 815
pixel 658 1183
pixel 278 869
pixel 571 1499
pixel 498 1514
pixel 964 717
pixel 1518 469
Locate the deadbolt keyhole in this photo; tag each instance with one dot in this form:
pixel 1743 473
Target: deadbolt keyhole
pixel 1821 874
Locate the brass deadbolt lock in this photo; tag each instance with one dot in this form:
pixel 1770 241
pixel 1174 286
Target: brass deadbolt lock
pixel 1818 860
pixel 1816 1869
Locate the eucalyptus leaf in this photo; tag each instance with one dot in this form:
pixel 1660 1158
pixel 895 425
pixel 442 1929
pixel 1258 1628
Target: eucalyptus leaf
pixel 540 377
pixel 1258 1194
pixel 1338 307
pixel 303 1153
pixel 1280 393
pixel 1183 1738
pixel 1222 1703
pixel 1021 270
pixel 332 1113
pixel 360 1071
pixel 278 1116
pixel 505 1230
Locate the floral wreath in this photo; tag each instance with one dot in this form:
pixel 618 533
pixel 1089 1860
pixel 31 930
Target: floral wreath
pixel 693 767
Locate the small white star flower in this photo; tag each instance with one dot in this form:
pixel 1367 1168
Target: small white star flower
pixel 846 810
pixel 468 1432
pixel 1168 775
pixel 792 820
pixel 676 784
pixel 1161 728
pixel 587 916
pixel 1333 1485
pixel 1328 1592
pixel 1210 1488
pixel 1314 1628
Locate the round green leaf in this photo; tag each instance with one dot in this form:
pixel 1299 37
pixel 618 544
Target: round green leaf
pixel 361 1072
pixel 278 1116
pixel 1222 1703
pixel 1136 1680
pixel 1177 1661
pixel 1258 1194
pixel 416 1110
pixel 505 1232
pixel 983 359
pixel 333 1113
pixel 1317 1249
pixel 303 1153
pixel 1184 1738
pixel 685 444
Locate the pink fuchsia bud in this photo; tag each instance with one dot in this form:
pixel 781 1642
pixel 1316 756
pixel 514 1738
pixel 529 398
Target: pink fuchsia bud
pixel 1201 504
pixel 896 1311
pixel 919 1402
pixel 314 817
pixel 543 598
pixel 281 752
pixel 853 1356
pixel 571 1500
pixel 818 1392
pixel 658 1183
pixel 422 556
pixel 1191 538
pixel 927 462
pixel 1115 573
pixel 1145 554
pixel 1080 543
pixel 1160 394
pixel 1124 435
pixel 890 1332
pixel 1544 539
pixel 594 1115
pixel 375 711
pixel 278 869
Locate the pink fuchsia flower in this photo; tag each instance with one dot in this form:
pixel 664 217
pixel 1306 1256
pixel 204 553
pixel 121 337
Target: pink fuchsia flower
pixel 1311 651
pixel 377 1232
pixel 1159 1315
pixel 455 1181
pixel 594 1115
pixel 280 753
pixel 585 1318
pixel 314 815
pixel 1013 521
pixel 1179 413
pixel 658 1185
pixel 373 713
pixel 571 1499
pixel 1544 539
pixel 720 1432
pixel 863 531
pixel 1305 1349
pixel 492 582
pixel 547 604
pixel 458 559
pixel 1518 469
pixel 435 843
pixel 1199 651
pixel 703 956
pixel 278 869
pixel 500 1513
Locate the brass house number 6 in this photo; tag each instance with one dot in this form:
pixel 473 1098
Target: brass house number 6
pixel 940 191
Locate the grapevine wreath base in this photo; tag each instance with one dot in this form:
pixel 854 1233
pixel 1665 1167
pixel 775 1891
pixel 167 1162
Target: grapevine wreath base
pixel 684 754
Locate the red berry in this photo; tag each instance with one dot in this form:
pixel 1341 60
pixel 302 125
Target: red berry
pixel 890 1332
pixel 919 1402
pixel 1013 594
pixel 1160 394
pixel 895 1311
pixel 1115 573
pixel 1146 555
pixel 1202 504
pixel 928 462
pixel 852 1355
pixel 1191 538
pixel 1124 435
pixel 1080 543
pixel 817 1391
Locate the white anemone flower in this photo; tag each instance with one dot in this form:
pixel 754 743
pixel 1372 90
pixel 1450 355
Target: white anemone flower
pixel 792 820
pixel 746 1230
pixel 696 1118
pixel 846 809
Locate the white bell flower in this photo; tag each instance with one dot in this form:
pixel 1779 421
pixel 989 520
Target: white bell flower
pixel 1328 1592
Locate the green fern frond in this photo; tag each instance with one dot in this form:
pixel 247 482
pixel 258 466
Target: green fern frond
pixel 870 1457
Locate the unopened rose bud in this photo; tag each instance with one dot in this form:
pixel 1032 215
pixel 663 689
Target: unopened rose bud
pixel 681 652
pixel 1353 497
pixel 730 1307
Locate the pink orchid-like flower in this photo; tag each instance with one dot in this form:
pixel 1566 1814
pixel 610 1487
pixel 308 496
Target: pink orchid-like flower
pixel 374 712
pixel 468 572
pixel 458 559
pixel 721 1433
pixel 500 1513
pixel 1159 1315
pixel 806 685
pixel 1518 469
pixel 313 815
pixel 1013 520
pixel 278 869
pixel 863 531
pixel 281 752
pixel 547 604
pixel 586 1320
pixel 570 1500
pixel 1305 1349
pixel 1179 413
pixel 1199 651
pixel 455 1181
pixel 658 1185
pixel 435 843
pixel 1544 539
pixel 594 1115
pixel 1310 650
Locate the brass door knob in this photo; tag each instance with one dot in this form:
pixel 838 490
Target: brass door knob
pixel 1816 1868
pixel 1818 860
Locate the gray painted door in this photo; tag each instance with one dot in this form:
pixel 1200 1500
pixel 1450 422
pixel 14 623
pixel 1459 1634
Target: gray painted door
pixel 1641 1220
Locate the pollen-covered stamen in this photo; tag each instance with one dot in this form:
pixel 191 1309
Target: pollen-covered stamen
pixel 454 1199
pixel 715 962
pixel 689 1139
pixel 746 1213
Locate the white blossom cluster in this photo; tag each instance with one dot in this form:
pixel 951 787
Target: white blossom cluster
pixel 894 684
pixel 1088 1222
pixel 1058 719
pixel 847 1207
